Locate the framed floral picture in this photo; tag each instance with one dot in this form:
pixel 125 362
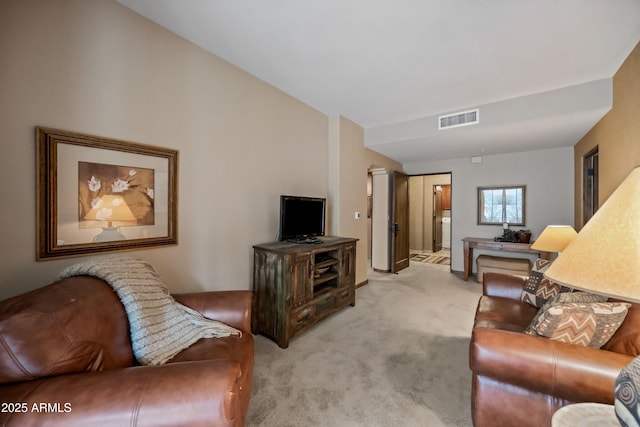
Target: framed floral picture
pixel 97 194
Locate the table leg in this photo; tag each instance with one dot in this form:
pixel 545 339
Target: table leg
pixel 468 260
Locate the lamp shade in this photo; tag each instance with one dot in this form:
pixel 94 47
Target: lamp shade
pixel 110 208
pixel 604 257
pixel 554 238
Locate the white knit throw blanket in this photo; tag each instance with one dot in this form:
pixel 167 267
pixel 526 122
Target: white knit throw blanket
pixel 160 327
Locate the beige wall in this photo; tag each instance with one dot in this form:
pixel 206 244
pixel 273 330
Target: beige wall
pixel 617 135
pixel 353 162
pixel 96 67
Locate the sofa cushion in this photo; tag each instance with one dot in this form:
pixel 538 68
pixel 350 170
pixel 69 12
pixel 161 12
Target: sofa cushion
pixel 537 289
pixel 503 313
pixel 586 324
pixel 77 325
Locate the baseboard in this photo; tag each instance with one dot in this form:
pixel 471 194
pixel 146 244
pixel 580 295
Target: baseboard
pixel 364 282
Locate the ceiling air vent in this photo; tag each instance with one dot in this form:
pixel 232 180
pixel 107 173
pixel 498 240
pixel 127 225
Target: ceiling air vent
pixel 463 118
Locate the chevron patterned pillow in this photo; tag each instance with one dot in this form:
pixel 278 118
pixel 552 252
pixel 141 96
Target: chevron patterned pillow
pixel 565 297
pixel 586 324
pixel 538 289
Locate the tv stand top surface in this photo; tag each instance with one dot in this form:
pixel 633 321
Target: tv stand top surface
pixel 306 241
pixel 288 246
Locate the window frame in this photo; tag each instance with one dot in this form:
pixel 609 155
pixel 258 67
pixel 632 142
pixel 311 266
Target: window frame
pixel 483 221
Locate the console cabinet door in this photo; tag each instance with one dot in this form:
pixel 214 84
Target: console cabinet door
pixel 348 266
pixel 301 286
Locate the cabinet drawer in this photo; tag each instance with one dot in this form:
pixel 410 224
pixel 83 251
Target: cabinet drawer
pixel 344 296
pixel 302 318
pixel 327 303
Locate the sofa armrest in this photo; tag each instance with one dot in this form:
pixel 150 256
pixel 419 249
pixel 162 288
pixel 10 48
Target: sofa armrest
pixel 204 393
pixel 566 371
pixel 503 285
pixel 230 307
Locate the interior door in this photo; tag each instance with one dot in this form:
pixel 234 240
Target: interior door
pixel 589 185
pixel 399 222
pixel 437 218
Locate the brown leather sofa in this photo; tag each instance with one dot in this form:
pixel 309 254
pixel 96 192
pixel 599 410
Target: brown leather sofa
pixel 521 380
pixel 66 359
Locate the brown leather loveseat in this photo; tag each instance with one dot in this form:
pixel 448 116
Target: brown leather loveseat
pixel 520 379
pixel 66 359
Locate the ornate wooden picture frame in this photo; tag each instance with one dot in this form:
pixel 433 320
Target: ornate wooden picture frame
pixel 98 195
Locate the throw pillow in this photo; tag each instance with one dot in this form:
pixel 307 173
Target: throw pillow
pixel 538 289
pixel 586 324
pixel 627 394
pixel 565 297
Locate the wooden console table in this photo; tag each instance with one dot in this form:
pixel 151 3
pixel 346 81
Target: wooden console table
pixel 297 285
pixel 489 244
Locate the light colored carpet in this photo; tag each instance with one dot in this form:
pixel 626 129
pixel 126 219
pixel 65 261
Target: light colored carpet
pixel 398 358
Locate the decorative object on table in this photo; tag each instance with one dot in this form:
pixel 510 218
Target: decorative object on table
pixel 604 259
pixel 78 174
pixel 507 236
pixel 523 236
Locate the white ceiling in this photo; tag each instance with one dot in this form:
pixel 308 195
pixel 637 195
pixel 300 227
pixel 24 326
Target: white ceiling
pixel 388 65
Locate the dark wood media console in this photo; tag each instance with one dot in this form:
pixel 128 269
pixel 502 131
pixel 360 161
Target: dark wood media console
pixel 296 285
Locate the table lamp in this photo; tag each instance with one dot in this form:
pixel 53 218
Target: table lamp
pixel 554 238
pixel 110 208
pixel 604 258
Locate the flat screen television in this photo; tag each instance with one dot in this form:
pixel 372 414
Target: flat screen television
pixel 301 218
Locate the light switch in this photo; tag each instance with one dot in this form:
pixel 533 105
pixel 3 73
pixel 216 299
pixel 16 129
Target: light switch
pixel 357 215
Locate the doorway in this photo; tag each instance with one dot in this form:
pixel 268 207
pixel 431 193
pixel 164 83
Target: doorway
pixel 430 217
pixel 590 171
pixel 399 222
pixel 389 224
pixel 383 246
